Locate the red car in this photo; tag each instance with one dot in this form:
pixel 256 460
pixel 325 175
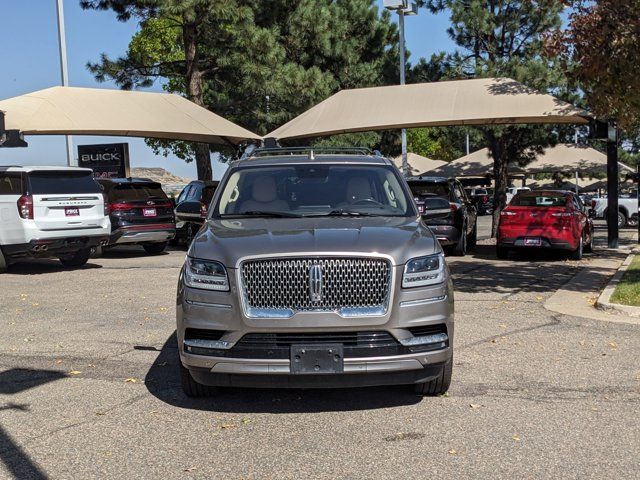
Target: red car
pixel 545 219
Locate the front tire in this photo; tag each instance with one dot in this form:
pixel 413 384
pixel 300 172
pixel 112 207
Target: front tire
pixel 191 388
pixel 76 259
pixel 472 241
pixel 577 253
pixel 589 246
pixel 460 249
pixel 155 248
pixel 438 385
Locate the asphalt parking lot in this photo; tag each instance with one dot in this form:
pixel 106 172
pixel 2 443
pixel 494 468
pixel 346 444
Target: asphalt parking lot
pixel 89 387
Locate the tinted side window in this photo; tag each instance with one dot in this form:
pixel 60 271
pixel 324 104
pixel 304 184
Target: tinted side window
pixel 10 184
pixel 62 182
pixel 183 195
pixel 194 193
pixel 459 192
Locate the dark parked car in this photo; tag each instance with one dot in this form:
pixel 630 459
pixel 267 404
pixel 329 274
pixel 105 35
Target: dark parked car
pixel 481 198
pixel 140 213
pixel 192 207
pixel 456 230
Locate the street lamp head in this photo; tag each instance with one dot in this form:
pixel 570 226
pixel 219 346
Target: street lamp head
pixel 411 9
pixel 395 4
pixel 407 7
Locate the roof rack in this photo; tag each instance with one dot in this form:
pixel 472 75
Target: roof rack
pixel 265 152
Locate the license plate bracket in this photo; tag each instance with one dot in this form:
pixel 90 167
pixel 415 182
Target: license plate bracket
pixel 532 241
pixel 149 212
pixel 317 359
pixel 72 212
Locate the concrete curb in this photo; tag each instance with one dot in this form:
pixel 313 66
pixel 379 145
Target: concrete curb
pixel 603 302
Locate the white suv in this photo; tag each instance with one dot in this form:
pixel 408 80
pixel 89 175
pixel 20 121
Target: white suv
pixel 51 212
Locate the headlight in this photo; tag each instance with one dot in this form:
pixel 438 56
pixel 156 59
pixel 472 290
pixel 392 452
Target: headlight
pixel 205 274
pixel 422 271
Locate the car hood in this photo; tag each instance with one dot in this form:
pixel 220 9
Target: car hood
pixel 230 240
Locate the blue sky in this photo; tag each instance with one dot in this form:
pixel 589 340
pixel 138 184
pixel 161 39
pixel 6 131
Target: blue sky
pixel 30 61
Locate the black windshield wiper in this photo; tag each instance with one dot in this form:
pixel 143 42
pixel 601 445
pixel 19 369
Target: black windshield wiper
pixel 344 213
pixel 260 213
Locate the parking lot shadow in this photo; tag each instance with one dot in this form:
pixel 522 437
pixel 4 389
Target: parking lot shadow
pixel 536 272
pixel 44 267
pixel 13 456
pixel 163 381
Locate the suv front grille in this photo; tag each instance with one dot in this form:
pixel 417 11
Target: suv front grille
pixel 282 287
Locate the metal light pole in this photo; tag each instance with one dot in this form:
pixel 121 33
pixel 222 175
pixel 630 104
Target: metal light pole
pixel 403 7
pixel 62 43
pixel 403 132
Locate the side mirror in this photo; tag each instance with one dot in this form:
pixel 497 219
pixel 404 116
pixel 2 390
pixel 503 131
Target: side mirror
pixel 191 211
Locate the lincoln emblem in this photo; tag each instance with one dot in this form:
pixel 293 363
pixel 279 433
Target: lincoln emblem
pixel 315 282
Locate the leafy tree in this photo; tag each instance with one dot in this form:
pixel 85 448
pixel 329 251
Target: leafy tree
pixel 257 63
pixel 600 49
pixel 504 39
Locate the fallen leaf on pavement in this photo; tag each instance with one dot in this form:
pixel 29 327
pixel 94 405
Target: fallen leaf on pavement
pixel 228 425
pixel 246 420
pixel 516 438
pixel 474 405
pixel 190 469
pixel 58 362
pixel 75 372
pixel 101 413
pixel 131 380
pixel 453 451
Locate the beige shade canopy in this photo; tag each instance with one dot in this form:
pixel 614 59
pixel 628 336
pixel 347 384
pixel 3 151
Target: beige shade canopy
pixel 93 111
pixel 570 158
pixel 476 164
pixel 460 102
pixel 418 164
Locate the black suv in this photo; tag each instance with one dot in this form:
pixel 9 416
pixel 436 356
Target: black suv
pixel 140 213
pixel 457 229
pixel 192 206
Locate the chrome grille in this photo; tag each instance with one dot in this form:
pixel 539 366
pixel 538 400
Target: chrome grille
pixel 281 287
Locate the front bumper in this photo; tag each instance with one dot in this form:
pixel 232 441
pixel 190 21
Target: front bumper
pixel 359 375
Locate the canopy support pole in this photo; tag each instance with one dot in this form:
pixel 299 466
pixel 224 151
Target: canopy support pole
pixel 612 186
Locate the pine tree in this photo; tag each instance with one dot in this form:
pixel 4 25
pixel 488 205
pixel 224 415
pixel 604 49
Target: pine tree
pixel 505 39
pixel 257 63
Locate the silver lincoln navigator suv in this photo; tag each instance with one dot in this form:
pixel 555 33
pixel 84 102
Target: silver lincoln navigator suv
pixel 314 269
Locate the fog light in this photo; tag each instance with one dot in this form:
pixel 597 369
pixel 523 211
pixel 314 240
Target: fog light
pixel 196 345
pixel 436 338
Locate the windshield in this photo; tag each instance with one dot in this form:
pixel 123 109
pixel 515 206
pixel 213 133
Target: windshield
pixel 314 190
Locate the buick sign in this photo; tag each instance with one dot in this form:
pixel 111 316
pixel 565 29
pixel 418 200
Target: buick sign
pixel 107 160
